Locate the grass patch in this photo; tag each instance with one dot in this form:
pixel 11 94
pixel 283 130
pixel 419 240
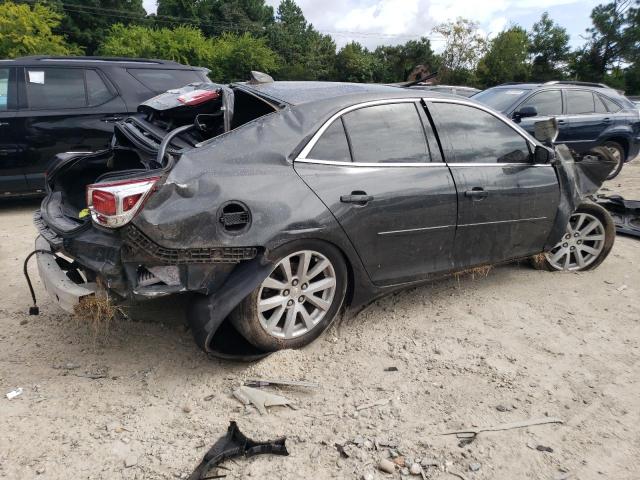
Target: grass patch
pixel 98 313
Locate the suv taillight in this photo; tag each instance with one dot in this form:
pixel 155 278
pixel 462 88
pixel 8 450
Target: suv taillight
pixel 114 204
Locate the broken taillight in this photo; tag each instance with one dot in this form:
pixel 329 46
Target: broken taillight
pixel 196 97
pixel 113 204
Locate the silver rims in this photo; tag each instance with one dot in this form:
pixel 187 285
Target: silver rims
pixel 617 155
pixel 581 244
pixel 297 294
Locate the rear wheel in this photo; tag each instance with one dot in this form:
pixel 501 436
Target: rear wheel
pixel 297 301
pixel 585 244
pixel 618 153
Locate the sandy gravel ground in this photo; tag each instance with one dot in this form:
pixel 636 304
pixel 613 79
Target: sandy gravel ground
pixel 515 345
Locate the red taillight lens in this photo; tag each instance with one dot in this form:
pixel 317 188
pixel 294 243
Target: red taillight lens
pixel 104 202
pixel 197 97
pixel 129 202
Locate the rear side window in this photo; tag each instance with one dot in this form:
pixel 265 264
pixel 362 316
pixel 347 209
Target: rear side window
pixel 55 88
pixel 579 101
pixel 161 80
pixel 610 104
pixel 476 136
pixel 332 145
pixel 546 103
pixel 97 91
pixel 387 134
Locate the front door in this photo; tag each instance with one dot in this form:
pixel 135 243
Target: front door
pixel 396 205
pixel 548 103
pixel 506 203
pixel 12 179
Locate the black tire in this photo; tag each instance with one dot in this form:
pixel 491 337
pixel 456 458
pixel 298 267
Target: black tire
pixel 541 261
pixel 619 156
pixel 247 319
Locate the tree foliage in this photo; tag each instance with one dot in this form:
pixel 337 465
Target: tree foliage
pixel 549 47
pixel 506 58
pixel 464 47
pixel 230 57
pixel 29 30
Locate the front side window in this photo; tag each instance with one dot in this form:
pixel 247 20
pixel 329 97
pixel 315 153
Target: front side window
pixel 546 103
pixel 579 102
pixel 332 145
pixel 387 134
pixel 476 136
pixel 4 89
pixel 55 88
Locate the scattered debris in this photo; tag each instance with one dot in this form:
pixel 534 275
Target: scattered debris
pixel 625 213
pixel 542 448
pixel 391 369
pixel 14 393
pixel 235 444
pixel 377 403
pixel 469 435
pixel 367 476
pixel 504 408
pixel 474 467
pixel 186 408
pixel 386 466
pixel 341 450
pixel 260 399
pixel 415 469
pixel 622 288
pixel 257 383
pixel 130 461
pixel 208 398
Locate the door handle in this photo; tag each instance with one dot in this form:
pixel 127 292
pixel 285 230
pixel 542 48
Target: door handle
pixel 476 193
pixel 111 119
pixel 359 198
pixel 561 122
pixel 606 120
pixel 4 124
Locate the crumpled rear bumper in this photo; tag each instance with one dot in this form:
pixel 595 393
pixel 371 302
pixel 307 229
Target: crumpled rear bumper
pixel 66 293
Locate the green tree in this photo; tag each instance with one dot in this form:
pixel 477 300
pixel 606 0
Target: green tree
pixel 28 30
pixel 230 57
pixel 305 53
pixel 464 47
pixel 549 47
pixel 354 63
pixel 395 63
pixel 506 59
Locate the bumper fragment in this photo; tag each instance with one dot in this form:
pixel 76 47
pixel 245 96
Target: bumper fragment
pixel 66 293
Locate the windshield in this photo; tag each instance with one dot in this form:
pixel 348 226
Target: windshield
pixel 500 98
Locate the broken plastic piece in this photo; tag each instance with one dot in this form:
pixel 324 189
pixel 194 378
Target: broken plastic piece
pixel 14 393
pixel 257 383
pixel 625 213
pixel 235 444
pixel 260 399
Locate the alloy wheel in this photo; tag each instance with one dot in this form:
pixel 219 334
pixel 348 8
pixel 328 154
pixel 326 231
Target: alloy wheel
pixel 297 294
pixel 617 155
pixel 580 246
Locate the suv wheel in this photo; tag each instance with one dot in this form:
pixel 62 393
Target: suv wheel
pixel 297 301
pixel 585 244
pixel 618 153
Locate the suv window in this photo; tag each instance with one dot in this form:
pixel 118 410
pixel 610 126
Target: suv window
pixel 387 133
pixel 579 101
pixel 477 136
pixel 97 92
pixel 55 88
pixel 160 80
pixel 332 145
pixel 4 89
pixel 610 104
pixel 547 103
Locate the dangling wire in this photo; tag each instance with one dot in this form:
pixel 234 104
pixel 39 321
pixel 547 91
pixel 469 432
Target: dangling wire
pixel 34 310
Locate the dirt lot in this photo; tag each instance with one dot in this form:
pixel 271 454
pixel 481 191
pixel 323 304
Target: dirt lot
pixel 515 345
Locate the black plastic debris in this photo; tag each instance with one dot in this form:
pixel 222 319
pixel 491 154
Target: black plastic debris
pixel 235 444
pixel 625 213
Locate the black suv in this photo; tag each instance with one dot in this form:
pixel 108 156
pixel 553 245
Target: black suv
pixel 588 114
pixel 50 105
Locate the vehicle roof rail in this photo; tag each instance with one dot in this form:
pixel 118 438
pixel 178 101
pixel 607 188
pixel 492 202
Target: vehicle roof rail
pixel 576 82
pixel 69 58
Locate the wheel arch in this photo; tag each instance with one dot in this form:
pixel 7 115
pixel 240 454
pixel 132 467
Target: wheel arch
pixel 622 140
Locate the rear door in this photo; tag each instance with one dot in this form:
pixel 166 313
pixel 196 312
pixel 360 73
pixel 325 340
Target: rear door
pixel 386 185
pixel 65 109
pixel 586 121
pixel 12 179
pixel 506 203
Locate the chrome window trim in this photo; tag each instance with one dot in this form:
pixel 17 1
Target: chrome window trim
pixel 425 164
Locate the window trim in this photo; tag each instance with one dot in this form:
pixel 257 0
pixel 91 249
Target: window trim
pixel 303 155
pixel 566 101
pixel 538 92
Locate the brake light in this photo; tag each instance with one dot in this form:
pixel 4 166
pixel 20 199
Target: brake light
pixel 196 97
pixel 114 204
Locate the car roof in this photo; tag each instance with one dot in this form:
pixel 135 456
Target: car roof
pixel 87 60
pixel 299 92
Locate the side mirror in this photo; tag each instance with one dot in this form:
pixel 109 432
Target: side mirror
pixel 542 155
pixel 524 112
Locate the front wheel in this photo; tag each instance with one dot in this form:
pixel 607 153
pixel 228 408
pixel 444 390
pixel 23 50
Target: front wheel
pixel 297 301
pixel 587 241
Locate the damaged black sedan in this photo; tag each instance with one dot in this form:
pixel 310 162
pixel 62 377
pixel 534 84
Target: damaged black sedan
pixel 278 205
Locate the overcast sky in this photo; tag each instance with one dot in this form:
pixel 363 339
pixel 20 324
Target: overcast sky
pixel 376 22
